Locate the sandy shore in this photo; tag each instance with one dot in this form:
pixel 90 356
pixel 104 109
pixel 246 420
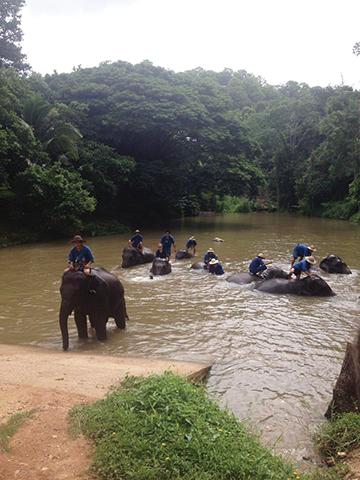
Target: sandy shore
pixel 51 383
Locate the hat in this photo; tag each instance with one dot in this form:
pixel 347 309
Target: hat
pixel 312 248
pixel 78 238
pixel 213 261
pixel 310 260
pixel 261 255
pixel 137 231
pixel 210 249
pixel 192 237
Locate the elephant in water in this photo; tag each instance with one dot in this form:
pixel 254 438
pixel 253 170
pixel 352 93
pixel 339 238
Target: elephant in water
pixel 334 264
pixel 198 266
pixel 313 286
pixel 133 256
pixel 99 295
pixel 244 278
pixel 160 266
pixel 183 254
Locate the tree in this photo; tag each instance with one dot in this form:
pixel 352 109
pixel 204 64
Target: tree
pixel 11 35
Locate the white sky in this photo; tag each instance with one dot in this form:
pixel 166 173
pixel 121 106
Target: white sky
pixel 304 40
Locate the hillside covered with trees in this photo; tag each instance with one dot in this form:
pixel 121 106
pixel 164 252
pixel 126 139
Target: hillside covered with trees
pixel 121 142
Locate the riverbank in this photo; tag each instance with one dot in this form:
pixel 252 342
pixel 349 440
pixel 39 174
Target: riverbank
pixel 49 384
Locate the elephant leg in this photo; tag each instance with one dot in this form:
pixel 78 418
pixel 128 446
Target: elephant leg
pixel 81 324
pixel 98 321
pixel 121 315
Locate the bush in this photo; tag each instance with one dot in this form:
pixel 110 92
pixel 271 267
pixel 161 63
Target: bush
pixel 339 436
pixel 342 210
pixel 232 204
pixel 108 227
pixel 164 428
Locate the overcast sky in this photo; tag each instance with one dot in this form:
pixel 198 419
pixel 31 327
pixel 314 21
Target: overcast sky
pixel 304 40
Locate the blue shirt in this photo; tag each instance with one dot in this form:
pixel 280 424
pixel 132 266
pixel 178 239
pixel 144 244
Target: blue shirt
pixel 191 243
pixel 257 265
pixel 301 250
pixel 81 257
pixel 167 241
pixel 160 254
pixel 216 269
pixel 136 240
pixel 208 256
pixel 302 266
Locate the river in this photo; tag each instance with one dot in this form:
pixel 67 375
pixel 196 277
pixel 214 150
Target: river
pixel 275 357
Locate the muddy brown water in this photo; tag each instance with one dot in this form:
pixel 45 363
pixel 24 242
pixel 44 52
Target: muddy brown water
pixel 275 357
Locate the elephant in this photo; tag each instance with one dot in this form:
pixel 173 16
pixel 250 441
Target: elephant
pixel 160 266
pixel 133 256
pixel 334 264
pixel 244 278
pixel 198 266
pixel 99 295
pixel 183 254
pixel 313 286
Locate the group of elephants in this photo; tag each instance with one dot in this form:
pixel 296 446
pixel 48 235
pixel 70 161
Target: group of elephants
pixel 100 295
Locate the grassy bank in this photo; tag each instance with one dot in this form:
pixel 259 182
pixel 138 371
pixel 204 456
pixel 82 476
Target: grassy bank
pixel 164 428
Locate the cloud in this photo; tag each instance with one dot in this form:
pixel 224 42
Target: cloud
pixel 71 7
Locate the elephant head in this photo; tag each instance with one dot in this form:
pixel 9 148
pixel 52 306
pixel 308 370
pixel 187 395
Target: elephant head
pixel 82 293
pixel 183 254
pixel 334 264
pixel 133 256
pixel 160 266
pixel 313 286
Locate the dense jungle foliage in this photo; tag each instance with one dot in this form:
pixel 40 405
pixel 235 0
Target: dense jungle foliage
pixel 123 142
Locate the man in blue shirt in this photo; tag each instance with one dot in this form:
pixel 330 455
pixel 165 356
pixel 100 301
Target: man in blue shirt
pixel 80 256
pixel 258 265
pixel 303 266
pixel 167 241
pixel 191 244
pixel 209 255
pixel 137 240
pixel 300 251
pixel 160 252
pixel 215 267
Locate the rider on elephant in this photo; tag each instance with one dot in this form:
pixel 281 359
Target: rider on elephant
pixel 209 255
pixel 215 267
pixel 160 253
pixel 257 265
pixel 303 266
pixel 167 241
pixel 191 244
pixel 301 251
pixel 137 240
pixel 80 256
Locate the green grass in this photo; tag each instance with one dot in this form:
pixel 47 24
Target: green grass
pixel 339 436
pixel 8 429
pixel 164 428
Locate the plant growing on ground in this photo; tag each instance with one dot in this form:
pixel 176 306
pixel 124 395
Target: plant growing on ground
pixel 8 429
pixel 340 436
pixel 164 428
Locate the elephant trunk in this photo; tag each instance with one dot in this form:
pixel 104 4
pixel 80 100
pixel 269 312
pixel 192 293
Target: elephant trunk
pixel 65 311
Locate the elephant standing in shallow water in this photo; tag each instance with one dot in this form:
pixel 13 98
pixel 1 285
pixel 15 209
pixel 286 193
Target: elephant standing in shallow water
pixel 183 254
pixel 244 278
pixel 313 286
pixel 334 264
pixel 160 266
pixel 99 295
pixel 133 256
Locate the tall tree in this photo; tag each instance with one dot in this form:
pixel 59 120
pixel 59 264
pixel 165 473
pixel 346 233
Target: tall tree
pixel 11 35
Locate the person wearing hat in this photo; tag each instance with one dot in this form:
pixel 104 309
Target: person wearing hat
pixel 258 265
pixel 80 256
pixel 215 267
pixel 137 240
pixel 160 253
pixel 167 241
pixel 301 251
pixel 303 266
pixel 191 244
pixel 209 255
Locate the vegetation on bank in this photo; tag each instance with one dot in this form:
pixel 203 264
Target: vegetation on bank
pixel 163 427
pixel 122 141
pixel 339 436
pixel 11 426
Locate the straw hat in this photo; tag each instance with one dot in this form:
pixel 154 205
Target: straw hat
pixel 213 261
pixel 311 260
pixel 191 238
pixel 137 231
pixel 261 255
pixel 78 238
pixel 210 249
pixel 312 248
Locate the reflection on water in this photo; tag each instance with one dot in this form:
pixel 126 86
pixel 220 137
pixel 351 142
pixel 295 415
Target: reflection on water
pixel 275 357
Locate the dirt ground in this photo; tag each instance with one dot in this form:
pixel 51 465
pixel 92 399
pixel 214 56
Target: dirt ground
pixel 51 383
